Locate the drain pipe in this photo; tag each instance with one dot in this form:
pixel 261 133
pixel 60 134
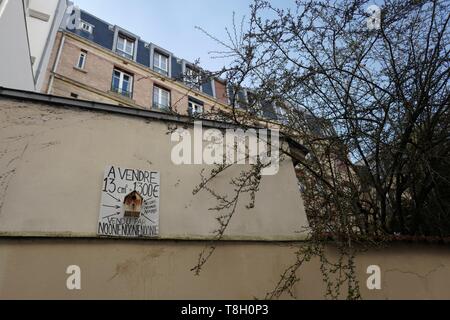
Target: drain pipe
pixel 55 65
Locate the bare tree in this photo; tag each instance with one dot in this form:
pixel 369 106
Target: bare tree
pixel 369 100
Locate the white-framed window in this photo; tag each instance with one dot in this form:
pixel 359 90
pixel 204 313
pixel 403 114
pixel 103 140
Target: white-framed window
pixel 125 46
pixel 195 108
pixel 122 83
pixel 82 60
pixel 281 111
pixel 161 98
pixel 193 78
pixel 87 27
pixel 282 114
pixel 161 63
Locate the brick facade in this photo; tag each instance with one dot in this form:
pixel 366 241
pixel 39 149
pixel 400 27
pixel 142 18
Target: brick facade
pixel 93 82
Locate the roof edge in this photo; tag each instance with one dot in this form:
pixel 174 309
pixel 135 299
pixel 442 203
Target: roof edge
pixel 111 108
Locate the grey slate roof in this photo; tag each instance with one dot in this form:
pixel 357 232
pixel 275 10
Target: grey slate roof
pixel 103 35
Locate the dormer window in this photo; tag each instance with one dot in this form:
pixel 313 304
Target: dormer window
pixel 87 27
pixel 161 63
pixel 192 78
pixel 125 46
pixel 282 114
pixel 236 97
pixel 160 60
pixel 254 105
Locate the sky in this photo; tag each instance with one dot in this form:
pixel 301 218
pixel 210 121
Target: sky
pixel 170 24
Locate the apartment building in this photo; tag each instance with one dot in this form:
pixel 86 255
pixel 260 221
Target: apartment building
pixel 103 62
pixel 29 28
pixel 44 18
pixel 15 63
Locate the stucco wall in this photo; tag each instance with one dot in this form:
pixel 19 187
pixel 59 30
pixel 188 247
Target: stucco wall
pixel 31 269
pixel 52 166
pixel 51 170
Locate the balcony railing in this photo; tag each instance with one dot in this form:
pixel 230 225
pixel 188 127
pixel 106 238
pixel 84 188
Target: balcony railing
pixel 122 92
pixel 124 54
pixel 161 71
pixel 161 107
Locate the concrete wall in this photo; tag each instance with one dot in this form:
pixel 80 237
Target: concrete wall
pixel 15 63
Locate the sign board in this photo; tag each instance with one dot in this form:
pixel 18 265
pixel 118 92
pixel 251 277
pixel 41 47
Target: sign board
pixel 130 203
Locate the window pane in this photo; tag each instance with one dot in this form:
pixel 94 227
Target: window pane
pixel 156 95
pixel 126 85
pixel 81 61
pixel 193 77
pixel 165 98
pixel 160 61
pixel 121 44
pixel 116 82
pixel 157 60
pixel 164 63
pixel 129 48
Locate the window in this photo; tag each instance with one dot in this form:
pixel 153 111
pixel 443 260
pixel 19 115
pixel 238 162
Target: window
pixel 161 63
pixel 125 46
pixel 87 27
pixel 236 97
pixel 281 111
pixel 192 78
pixel 82 60
pixel 282 114
pixel 254 106
pixel 252 99
pixel 74 95
pixel 195 107
pixel 122 83
pixel 161 98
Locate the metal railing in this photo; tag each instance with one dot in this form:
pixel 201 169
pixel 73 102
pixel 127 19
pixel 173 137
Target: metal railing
pixel 122 92
pixel 124 54
pixel 161 71
pixel 161 107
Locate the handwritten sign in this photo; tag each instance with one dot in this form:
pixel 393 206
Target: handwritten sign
pixel 130 203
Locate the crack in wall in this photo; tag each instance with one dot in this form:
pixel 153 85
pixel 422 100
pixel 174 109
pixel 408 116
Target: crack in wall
pixel 423 277
pixel 17 132
pixel 6 178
